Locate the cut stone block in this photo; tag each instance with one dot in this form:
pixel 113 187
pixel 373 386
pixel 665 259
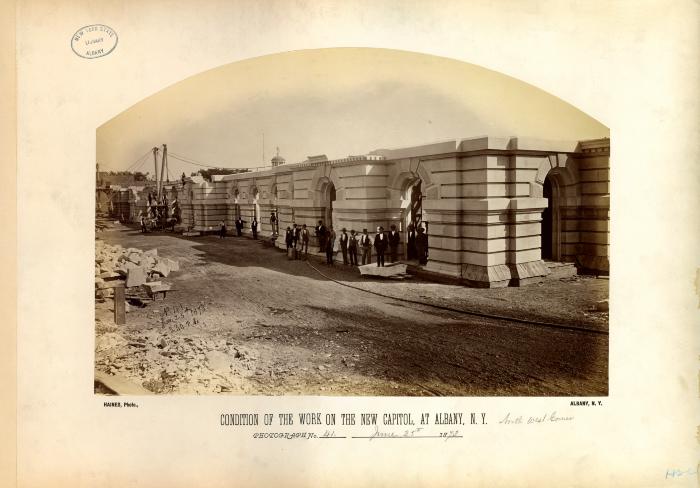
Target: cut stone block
pixel 173 265
pixel 157 287
pixel 162 268
pixel 393 269
pixel 109 274
pixel 135 277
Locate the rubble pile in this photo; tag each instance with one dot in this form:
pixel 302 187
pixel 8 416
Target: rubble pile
pixel 163 363
pixel 135 266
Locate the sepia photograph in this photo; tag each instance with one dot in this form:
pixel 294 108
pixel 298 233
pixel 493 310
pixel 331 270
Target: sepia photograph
pixel 352 222
pixel 350 243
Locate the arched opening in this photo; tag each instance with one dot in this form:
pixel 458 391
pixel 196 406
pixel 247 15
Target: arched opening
pixel 415 213
pixel 413 220
pixel 256 208
pixel 274 211
pixel 328 197
pixel 550 219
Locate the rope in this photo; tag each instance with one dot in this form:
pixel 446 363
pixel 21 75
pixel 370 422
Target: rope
pixel 466 312
pixel 195 162
pixel 138 161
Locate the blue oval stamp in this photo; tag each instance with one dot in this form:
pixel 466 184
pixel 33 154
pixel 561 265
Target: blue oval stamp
pixel 94 41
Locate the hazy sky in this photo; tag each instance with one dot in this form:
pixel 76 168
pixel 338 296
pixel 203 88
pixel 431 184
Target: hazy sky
pixel 337 102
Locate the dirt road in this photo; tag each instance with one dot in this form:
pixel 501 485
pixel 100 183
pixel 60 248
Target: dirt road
pixel 243 319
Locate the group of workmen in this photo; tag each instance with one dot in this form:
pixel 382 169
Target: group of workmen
pixel 240 224
pixel 351 245
pixel 159 214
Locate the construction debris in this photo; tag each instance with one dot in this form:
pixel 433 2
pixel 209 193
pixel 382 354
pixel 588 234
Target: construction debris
pixel 137 267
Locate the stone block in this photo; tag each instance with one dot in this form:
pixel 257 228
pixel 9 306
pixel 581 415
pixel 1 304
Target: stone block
pixel 395 269
pixel 135 276
pixel 162 267
pixel 173 265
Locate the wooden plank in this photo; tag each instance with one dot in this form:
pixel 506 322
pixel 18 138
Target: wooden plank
pixel 119 306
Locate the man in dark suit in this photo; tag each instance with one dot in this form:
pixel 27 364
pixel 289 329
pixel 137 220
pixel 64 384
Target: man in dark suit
pixel 295 235
pixel 254 227
pixel 330 243
pixel 304 236
pixel 411 243
pixel 422 246
pixel 321 235
pixel 366 244
pixel 239 226
pixel 380 244
pixel 394 240
pixel 352 247
pixel 289 238
pixel 344 245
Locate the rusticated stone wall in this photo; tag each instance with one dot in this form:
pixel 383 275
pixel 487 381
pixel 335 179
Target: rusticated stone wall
pixel 482 202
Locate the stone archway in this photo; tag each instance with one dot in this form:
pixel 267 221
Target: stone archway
pixel 551 219
pixel 328 197
pixel 411 215
pixel 256 206
pixel 557 181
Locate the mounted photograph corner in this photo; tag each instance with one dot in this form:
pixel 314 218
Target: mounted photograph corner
pixel 352 222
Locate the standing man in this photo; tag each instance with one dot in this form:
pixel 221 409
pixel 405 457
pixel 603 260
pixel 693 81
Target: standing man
pixel 380 244
pixel 352 247
pixel 321 235
pixel 330 243
pixel 295 236
pixel 239 226
pixel 273 223
pixel 366 243
pixel 304 236
pixel 289 239
pixel 254 227
pixel 344 245
pixel 422 246
pixel 222 229
pixel 394 240
pixel 411 243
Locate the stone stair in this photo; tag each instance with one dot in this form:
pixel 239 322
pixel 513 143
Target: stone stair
pixel 560 270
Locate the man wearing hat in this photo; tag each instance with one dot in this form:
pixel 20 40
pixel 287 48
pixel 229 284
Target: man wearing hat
pixel 304 236
pixel 321 235
pixel 352 247
pixel 366 243
pixel 330 244
pixel 380 244
pixel 344 245
pixel 411 243
pixel 289 239
pixel 422 246
pixel 394 241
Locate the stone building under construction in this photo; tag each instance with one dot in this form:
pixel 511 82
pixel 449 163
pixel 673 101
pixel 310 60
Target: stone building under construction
pixel 495 209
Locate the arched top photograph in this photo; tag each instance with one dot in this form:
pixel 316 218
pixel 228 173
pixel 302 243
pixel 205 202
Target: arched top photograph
pixel 375 183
